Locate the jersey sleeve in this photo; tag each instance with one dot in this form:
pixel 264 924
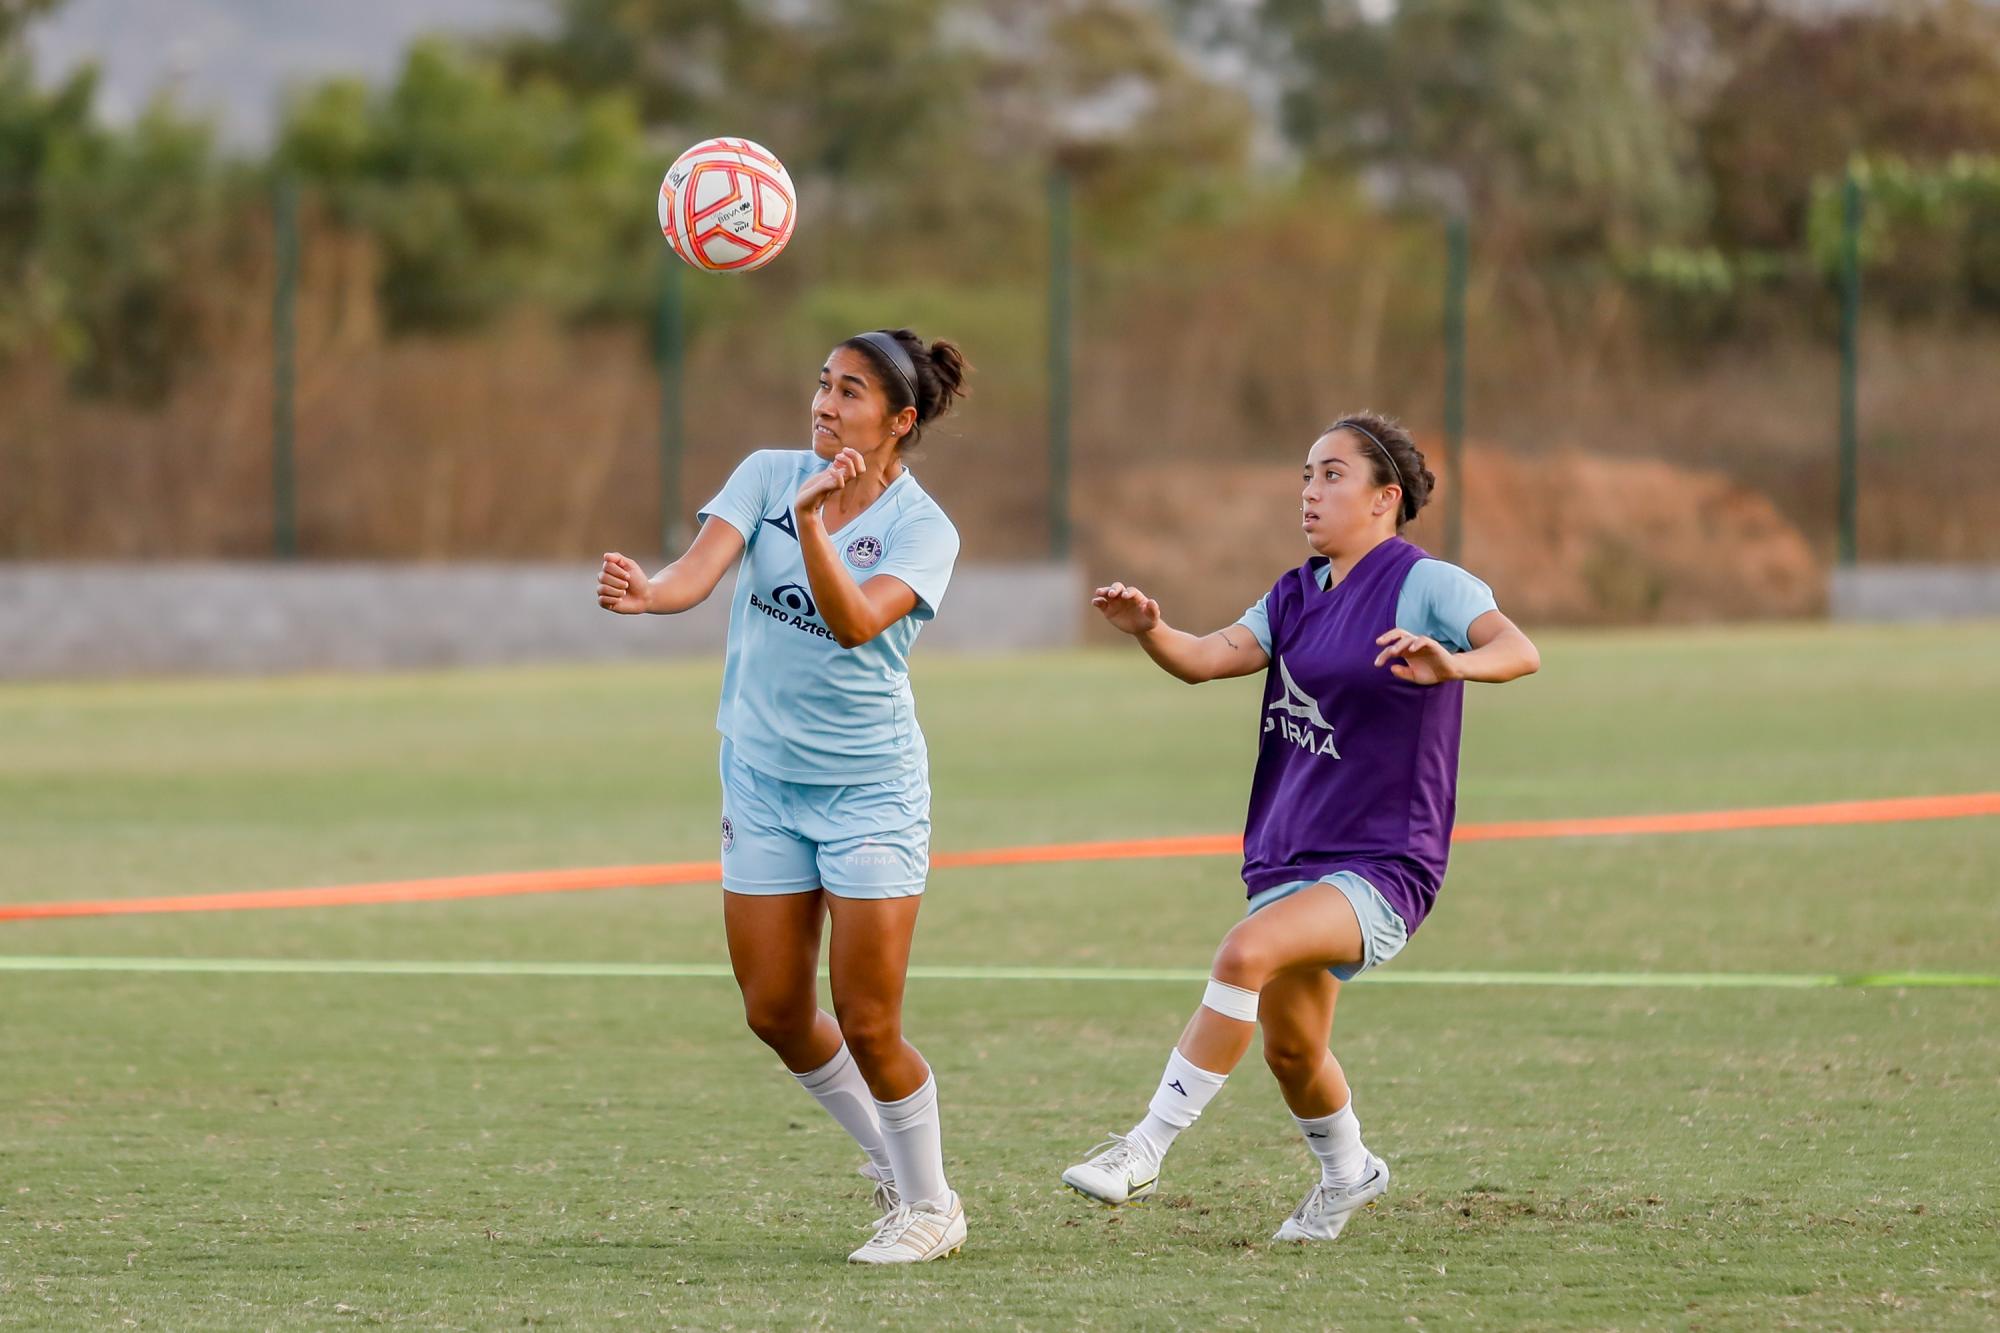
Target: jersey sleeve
pixel 922 555
pixel 1440 601
pixel 1258 621
pixel 744 497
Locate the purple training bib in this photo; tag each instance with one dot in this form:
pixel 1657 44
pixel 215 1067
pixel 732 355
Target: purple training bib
pixel 1356 770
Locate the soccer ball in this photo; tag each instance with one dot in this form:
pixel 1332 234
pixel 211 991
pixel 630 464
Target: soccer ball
pixel 727 206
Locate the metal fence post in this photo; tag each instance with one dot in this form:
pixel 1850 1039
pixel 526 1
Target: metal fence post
pixel 1456 277
pixel 669 354
pixel 1059 363
pixel 284 350
pixel 1850 366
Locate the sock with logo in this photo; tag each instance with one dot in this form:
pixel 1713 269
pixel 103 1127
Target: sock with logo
pixel 1336 1140
pixel 1184 1091
pixel 838 1086
pixel 914 1138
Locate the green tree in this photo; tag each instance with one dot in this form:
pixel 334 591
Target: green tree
pixel 104 236
pixel 130 233
pixel 15 15
pixel 1542 115
pixel 936 117
pixel 1104 89
pixel 674 56
pixel 34 126
pixel 855 90
pixel 480 192
pixel 1803 93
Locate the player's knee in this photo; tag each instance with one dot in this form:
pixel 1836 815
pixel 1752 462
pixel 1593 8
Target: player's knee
pixel 1292 1058
pixel 779 1022
pixel 1245 959
pixel 872 1032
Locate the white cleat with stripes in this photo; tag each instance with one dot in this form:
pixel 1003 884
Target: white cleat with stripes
pixel 914 1235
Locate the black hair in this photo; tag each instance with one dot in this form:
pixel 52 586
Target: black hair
pixel 940 378
pixel 1393 458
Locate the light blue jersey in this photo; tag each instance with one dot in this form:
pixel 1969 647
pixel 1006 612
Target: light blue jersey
pixel 795 704
pixel 1439 601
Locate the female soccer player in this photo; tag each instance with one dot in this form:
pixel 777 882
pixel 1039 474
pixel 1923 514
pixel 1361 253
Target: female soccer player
pixel 825 780
pixel 1366 646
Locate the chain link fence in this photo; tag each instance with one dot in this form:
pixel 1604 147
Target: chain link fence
pixel 416 372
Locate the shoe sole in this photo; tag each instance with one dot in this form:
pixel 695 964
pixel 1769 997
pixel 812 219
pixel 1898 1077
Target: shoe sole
pixel 1129 1201
pixel 901 1263
pixel 956 1246
pixel 1347 1217
pixel 1322 1240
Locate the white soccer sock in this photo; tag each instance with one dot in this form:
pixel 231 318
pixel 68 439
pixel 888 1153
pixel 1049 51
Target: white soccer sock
pixel 1185 1089
pixel 914 1137
pixel 1336 1140
pixel 838 1086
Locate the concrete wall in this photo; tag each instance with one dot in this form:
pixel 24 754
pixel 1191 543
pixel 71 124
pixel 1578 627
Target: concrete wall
pixel 1915 592
pixel 69 621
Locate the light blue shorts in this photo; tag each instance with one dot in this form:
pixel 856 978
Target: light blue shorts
pixel 1383 933
pixel 865 840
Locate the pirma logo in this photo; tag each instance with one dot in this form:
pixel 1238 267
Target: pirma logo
pixel 794 597
pixel 728 834
pixel 864 552
pixel 1296 703
pixel 873 855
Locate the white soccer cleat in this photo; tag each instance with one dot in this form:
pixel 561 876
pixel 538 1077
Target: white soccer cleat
pixel 907 1235
pixel 887 1199
pixel 1325 1210
pixel 1117 1173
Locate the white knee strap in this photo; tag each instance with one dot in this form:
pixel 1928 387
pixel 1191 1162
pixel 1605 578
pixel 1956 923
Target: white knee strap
pixel 1230 1001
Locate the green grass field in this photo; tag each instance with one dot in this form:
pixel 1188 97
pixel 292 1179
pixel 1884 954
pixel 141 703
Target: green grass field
pixel 220 1151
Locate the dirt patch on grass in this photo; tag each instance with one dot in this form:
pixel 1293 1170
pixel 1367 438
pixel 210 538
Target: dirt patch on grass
pixel 1566 537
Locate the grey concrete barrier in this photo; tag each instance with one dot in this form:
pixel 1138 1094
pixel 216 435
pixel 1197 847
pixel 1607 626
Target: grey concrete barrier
pixel 100 620
pixel 1915 592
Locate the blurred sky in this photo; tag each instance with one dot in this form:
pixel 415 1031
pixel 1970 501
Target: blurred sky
pixel 235 57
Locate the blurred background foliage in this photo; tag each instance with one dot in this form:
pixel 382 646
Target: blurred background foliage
pixel 1694 145
pixel 1260 195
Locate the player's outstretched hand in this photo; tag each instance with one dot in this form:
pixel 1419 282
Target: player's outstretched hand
pixel 1126 608
pixel 823 486
pixel 1425 660
pixel 621 585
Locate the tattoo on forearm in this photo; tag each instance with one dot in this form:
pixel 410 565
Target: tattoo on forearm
pixel 1223 634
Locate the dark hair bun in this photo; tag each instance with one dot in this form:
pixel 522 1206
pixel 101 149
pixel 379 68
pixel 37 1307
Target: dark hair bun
pixel 941 370
pixel 1394 458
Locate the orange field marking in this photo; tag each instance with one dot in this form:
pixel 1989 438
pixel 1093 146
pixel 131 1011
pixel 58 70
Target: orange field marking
pixel 708 872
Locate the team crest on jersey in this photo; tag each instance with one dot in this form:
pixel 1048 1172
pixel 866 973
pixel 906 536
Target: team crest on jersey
pixel 728 834
pixel 1298 717
pixel 864 552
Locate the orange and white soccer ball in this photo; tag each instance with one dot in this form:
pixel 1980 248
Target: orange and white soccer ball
pixel 727 206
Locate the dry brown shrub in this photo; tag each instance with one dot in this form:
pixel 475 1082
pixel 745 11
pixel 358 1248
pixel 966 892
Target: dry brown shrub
pixel 1620 482
pixel 1564 537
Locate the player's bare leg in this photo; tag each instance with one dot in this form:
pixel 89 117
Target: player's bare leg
pixel 774 950
pixel 1295 1010
pixel 870 958
pixel 1314 928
